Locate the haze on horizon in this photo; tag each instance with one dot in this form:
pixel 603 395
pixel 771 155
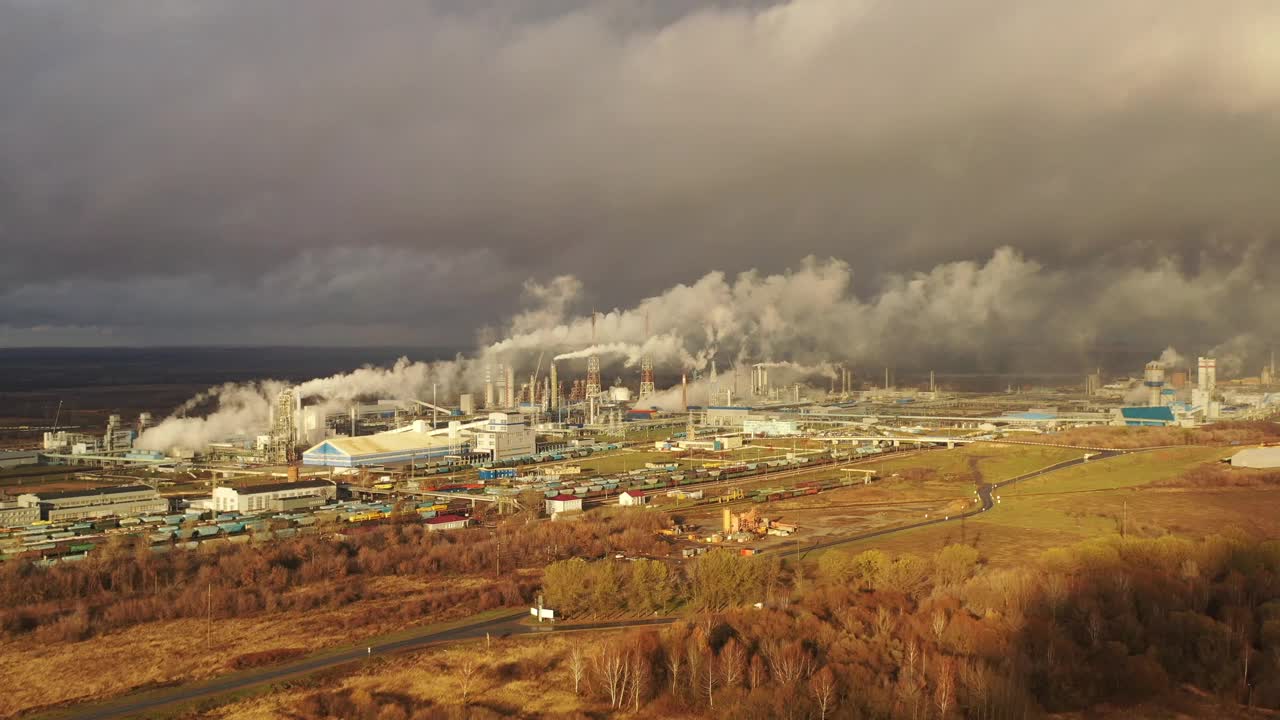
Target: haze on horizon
pixel 962 180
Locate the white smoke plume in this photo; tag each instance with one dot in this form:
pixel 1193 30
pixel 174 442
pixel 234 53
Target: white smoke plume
pixel 800 322
pixel 1237 356
pixel 1171 359
pixel 240 410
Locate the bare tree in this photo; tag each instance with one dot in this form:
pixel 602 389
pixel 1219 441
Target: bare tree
pixel 939 624
pixel 733 662
pixel 788 663
pixel 675 661
pixel 944 688
pixel 977 678
pixel 639 679
pixel 614 668
pixel 577 667
pixel 709 678
pixel 693 658
pixel 884 621
pixel 910 685
pixel 757 673
pixel 823 687
pixel 468 668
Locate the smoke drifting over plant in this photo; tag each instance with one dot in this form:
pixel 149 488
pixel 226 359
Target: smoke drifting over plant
pixel 802 322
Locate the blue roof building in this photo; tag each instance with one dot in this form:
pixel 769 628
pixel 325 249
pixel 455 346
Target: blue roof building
pixel 1148 416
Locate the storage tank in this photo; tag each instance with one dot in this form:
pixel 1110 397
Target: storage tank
pixel 1153 379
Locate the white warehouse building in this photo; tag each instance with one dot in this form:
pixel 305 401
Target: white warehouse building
pixel 273 497
pixel 770 427
pixel 1262 458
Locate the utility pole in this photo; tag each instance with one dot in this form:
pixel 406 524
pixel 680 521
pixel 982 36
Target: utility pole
pixel 208 599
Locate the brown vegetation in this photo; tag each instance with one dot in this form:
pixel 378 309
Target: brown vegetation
pixel 1224 433
pixel 140 607
pixel 1120 624
pixel 123 585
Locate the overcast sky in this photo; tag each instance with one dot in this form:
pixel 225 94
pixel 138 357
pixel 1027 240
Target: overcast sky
pixel 384 172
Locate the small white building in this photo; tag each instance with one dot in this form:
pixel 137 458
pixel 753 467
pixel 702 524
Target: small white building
pixel 446 522
pixel 632 498
pixel 563 503
pixel 265 498
pixel 1261 458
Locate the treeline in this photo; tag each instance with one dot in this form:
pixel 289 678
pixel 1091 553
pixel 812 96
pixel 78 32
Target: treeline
pixel 124 584
pixel 715 581
pixel 1243 432
pixel 1109 621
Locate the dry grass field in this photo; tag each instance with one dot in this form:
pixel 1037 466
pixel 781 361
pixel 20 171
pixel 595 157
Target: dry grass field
pixel 1136 493
pixel 169 652
pixel 512 678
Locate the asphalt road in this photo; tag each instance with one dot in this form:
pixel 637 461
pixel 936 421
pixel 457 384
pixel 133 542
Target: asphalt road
pixel 501 627
pixel 152 701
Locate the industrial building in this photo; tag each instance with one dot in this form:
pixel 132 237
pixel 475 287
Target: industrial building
pixel 769 427
pixel 409 444
pixel 505 436
pixel 563 503
pixel 1262 458
pixel 632 498
pixel 501 436
pixel 14 514
pixel 727 415
pixel 715 444
pixel 276 497
pixel 19 457
pixel 1145 416
pixel 120 501
pixel 446 522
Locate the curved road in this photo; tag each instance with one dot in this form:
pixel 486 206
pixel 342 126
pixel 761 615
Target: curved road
pixel 503 626
pixel 984 493
pixel 152 701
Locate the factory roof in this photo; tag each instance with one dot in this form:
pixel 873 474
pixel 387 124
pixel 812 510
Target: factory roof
pixel 443 519
pixel 276 487
pixel 383 443
pixel 1261 457
pixel 563 497
pixel 1148 413
pixel 118 490
pixel 634 493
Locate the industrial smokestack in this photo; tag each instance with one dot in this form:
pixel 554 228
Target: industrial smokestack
pixel 684 390
pixel 488 387
pixel 1153 378
pixel 511 386
pixel 555 388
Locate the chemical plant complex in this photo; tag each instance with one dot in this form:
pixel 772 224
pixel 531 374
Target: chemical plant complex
pixel 557 444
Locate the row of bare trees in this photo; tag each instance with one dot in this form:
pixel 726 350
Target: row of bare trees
pixel 125 583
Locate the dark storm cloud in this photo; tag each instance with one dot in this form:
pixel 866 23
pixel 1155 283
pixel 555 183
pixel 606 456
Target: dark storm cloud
pixel 392 171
